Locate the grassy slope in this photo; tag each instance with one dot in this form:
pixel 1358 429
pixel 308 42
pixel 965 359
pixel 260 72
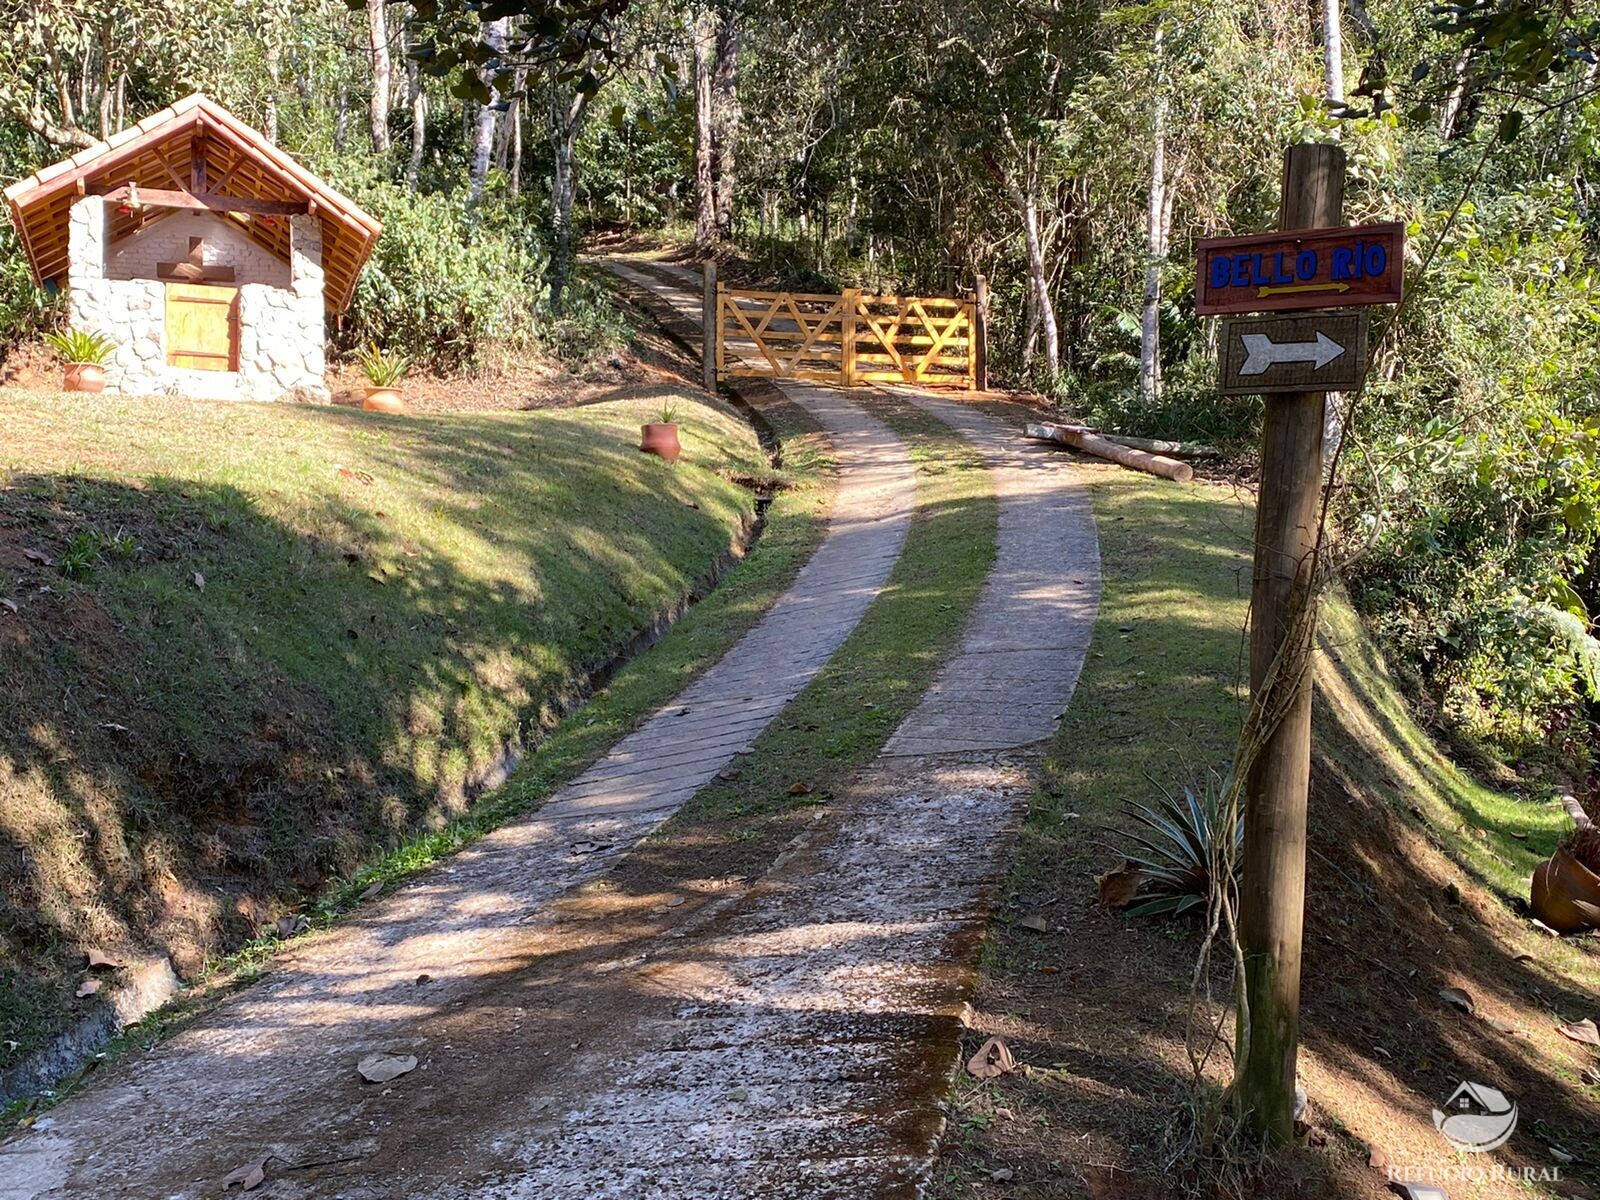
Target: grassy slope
pixel 385 604
pixel 1097 1005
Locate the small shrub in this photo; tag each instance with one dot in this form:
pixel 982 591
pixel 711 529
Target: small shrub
pixel 82 554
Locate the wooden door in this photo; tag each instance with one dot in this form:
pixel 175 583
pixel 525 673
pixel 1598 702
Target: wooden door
pixel 203 326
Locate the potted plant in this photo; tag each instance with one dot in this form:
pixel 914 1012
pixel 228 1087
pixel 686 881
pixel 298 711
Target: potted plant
pixel 86 356
pixel 661 437
pixel 384 371
pixel 1566 886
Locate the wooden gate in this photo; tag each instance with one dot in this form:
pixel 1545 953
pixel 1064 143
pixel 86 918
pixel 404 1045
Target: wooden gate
pixel 846 338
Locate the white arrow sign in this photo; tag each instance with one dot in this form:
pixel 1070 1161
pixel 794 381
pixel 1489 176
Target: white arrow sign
pixel 1262 352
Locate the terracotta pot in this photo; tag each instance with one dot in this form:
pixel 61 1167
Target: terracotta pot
pixel 384 400
pixel 1566 894
pixel 84 377
pixel 662 440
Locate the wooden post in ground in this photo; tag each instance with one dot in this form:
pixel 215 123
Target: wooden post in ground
pixel 849 311
pixel 1272 889
pixel 980 335
pixel 710 321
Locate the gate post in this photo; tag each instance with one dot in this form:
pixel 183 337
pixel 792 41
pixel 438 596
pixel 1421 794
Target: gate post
pixel 978 348
pixel 849 307
pixel 711 327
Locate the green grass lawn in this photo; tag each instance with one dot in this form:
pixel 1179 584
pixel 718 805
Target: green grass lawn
pixel 252 646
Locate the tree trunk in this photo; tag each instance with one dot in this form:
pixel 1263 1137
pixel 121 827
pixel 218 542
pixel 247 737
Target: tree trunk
pixel 341 119
pixel 269 121
pixel 725 120
pixel 565 117
pixel 514 171
pixel 1027 206
pixel 1450 114
pixel 488 119
pixel 1333 53
pixel 1155 234
pixel 378 44
pixel 705 224
pixel 418 100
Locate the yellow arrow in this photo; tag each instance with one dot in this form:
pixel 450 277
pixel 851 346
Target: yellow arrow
pixel 1303 287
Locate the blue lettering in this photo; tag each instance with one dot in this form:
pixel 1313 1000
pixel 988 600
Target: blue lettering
pixel 1305 265
pixel 1279 275
pixel 1241 270
pixel 1377 259
pixel 1221 271
pixel 1257 275
pixel 1343 263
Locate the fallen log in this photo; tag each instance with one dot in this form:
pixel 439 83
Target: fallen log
pixel 1157 446
pixel 1080 438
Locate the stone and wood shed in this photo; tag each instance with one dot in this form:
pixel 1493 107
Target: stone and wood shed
pixel 208 255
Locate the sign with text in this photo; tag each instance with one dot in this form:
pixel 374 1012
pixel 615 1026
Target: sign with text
pixel 1318 352
pixel 1303 268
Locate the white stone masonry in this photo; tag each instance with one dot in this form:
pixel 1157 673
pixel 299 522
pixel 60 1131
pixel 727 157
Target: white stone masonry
pixel 281 334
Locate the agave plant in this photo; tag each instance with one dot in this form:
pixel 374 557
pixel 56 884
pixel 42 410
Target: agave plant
pixel 1179 849
pixel 383 369
pixel 80 346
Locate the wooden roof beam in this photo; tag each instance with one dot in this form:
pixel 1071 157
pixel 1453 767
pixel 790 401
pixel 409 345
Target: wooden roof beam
pixel 168 198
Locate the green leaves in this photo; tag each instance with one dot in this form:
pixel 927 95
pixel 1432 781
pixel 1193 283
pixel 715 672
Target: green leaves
pixel 1182 846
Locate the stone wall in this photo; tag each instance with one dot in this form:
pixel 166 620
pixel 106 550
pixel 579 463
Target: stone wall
pixel 281 335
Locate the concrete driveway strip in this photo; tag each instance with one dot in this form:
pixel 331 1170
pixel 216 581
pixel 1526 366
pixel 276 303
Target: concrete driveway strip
pixel 267 1066
pixel 1019 660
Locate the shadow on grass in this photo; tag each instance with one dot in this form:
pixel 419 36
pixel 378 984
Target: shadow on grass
pixel 216 698
pixel 1097 1006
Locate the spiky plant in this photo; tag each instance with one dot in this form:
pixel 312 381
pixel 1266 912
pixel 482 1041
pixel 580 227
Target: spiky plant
pixel 1180 849
pixel 80 346
pixel 384 369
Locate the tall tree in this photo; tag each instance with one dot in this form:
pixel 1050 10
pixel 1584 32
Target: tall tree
pixel 1158 216
pixel 1332 53
pixel 566 111
pixel 725 120
pixel 378 46
pixel 417 102
pixel 484 126
pixel 704 53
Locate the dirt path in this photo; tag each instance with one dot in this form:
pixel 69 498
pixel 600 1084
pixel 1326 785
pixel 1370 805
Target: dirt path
pixel 786 1036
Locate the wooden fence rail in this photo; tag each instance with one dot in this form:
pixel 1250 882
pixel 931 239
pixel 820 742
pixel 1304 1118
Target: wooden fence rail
pixel 844 338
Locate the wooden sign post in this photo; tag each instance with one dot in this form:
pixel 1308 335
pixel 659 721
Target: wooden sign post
pixel 1272 890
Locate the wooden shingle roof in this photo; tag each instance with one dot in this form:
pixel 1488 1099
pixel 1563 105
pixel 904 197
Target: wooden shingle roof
pixel 194 146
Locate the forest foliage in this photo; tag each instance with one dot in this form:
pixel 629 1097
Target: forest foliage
pixel 1069 151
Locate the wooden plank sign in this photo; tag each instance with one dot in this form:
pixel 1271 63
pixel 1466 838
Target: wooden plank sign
pixel 1325 351
pixel 1311 268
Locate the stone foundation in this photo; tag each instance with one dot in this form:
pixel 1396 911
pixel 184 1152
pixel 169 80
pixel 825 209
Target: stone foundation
pixel 281 338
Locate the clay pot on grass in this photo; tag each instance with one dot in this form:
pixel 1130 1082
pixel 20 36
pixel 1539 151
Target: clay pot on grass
pixel 85 355
pixel 384 400
pixel 384 371
pixel 84 377
pixel 661 437
pixel 1566 894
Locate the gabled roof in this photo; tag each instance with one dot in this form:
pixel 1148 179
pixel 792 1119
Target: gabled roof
pixel 194 146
